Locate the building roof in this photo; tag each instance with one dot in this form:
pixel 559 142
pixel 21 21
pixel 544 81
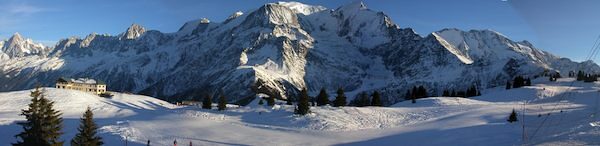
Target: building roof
pixel 81 81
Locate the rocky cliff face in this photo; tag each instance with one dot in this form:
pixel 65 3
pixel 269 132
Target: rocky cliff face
pixel 16 47
pixel 279 49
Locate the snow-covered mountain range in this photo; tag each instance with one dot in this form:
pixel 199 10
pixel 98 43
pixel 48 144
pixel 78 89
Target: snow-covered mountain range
pixel 16 47
pixel 279 49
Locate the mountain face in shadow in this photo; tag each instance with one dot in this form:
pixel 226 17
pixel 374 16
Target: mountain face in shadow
pixel 277 50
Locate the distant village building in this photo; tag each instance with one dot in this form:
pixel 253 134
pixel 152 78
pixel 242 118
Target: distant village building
pixel 188 102
pixel 82 84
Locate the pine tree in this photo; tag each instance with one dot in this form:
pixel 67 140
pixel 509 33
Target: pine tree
pixel 87 131
pixel 222 103
pixel 413 95
pixel 271 101
pixel 468 93
pixel 43 125
pixel 512 117
pixel 376 100
pixel 362 100
pixel 322 98
pixel 475 91
pixel 571 74
pixel 303 108
pixel 53 121
pixel 472 91
pixel 588 78
pixel 421 92
pixel 207 102
pixel 446 93
pixel 32 130
pixel 580 76
pixel 508 85
pixel 408 95
pixel 528 82
pixel 340 99
pixel 519 82
pixel 260 102
pixel 453 93
pixel 461 94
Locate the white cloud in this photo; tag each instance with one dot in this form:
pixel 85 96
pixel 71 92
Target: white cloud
pixel 23 9
pixel 13 13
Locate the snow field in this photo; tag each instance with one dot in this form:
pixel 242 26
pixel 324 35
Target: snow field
pixel 431 121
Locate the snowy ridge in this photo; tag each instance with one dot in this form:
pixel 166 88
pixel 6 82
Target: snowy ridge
pixel 280 48
pixel 17 46
pixel 302 8
pixel 134 31
pixel 456 51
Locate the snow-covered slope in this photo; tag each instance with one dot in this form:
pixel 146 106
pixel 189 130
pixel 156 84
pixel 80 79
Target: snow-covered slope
pixel 280 48
pixel 72 104
pixel 557 113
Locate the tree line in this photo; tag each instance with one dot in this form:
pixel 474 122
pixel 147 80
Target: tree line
pixel 518 82
pixel 303 100
pixel 221 104
pixel 582 76
pixel 469 92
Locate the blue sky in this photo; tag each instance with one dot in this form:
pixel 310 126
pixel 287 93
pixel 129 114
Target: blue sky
pixel 564 27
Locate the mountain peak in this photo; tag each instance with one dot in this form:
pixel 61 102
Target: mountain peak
pixel 271 13
pixel 275 50
pixel 16 37
pixel 234 15
pixel 134 31
pixel 204 20
pixel 302 8
pixel 355 5
pixel 17 46
pixel 17 34
pixel 526 43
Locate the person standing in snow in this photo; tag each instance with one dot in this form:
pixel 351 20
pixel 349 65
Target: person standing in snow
pixel 175 142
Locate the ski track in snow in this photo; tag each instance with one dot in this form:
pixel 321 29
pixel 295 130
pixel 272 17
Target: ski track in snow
pixel 460 121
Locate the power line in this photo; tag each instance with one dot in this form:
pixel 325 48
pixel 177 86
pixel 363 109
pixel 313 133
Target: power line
pixel 593 53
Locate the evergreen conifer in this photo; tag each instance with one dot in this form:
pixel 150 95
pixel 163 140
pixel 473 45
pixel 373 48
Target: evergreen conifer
pixel 322 98
pixel 340 99
pixel 87 131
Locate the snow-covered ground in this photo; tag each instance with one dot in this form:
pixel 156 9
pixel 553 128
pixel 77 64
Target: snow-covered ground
pixel 431 121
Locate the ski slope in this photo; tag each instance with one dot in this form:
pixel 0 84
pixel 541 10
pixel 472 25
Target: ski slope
pixel 431 121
